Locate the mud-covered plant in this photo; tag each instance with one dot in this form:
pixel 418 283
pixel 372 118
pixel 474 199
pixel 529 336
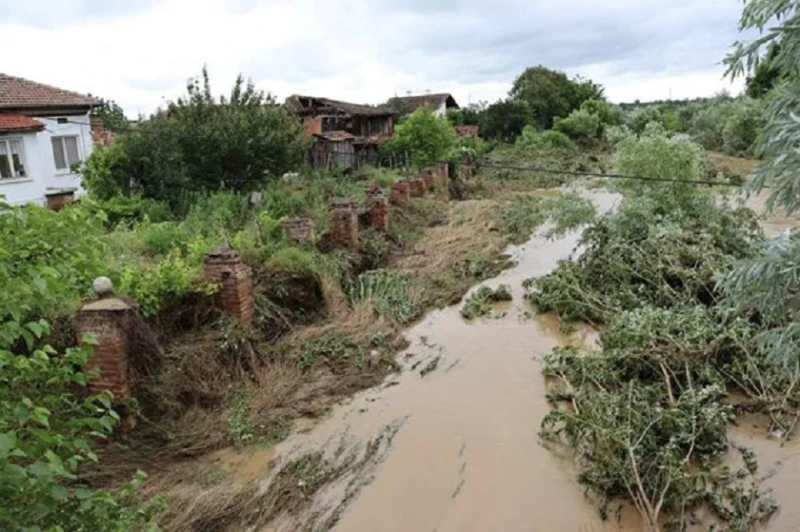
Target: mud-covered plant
pixel 647 419
pixel 481 302
pixel 392 294
pixel 521 216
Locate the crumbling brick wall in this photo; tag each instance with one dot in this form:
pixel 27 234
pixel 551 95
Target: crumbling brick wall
pixel 236 294
pixel 417 187
pixel 343 224
pixel 428 179
pixel 378 210
pixel 298 230
pixel 400 193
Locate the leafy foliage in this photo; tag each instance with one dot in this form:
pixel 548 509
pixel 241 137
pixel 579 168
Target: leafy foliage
pixel 200 143
pixel 479 304
pixel 550 94
pixel 504 120
pixel 772 274
pixel 113 116
pixel 424 137
pixel 46 434
pixel 521 216
pixel 531 138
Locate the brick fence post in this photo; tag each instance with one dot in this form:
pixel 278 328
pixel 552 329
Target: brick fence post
pixel 108 321
pixel 343 224
pixel 378 209
pixel 298 230
pixel 399 193
pixel 428 179
pixel 417 187
pixel 236 293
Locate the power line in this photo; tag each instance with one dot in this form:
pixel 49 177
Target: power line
pixel 609 176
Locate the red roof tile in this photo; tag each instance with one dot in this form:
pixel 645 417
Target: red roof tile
pixel 19 93
pixel 13 122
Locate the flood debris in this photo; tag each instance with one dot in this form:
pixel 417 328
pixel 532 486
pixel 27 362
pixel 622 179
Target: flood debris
pixel 481 302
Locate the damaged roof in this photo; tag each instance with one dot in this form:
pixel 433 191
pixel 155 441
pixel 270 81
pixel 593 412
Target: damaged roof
pixel 336 136
pixel 431 100
pixel 313 105
pixel 20 93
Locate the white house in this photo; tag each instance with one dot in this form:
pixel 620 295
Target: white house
pixel 439 103
pixel 45 132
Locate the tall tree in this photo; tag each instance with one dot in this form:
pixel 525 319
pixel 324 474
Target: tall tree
pixel 113 116
pixel 505 119
pixel 550 94
pixel 768 285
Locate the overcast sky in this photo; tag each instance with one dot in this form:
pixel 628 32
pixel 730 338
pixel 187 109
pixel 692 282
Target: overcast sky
pixel 140 52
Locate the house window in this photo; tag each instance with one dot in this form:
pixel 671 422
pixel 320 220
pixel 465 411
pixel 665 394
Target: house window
pixel 12 159
pixel 65 152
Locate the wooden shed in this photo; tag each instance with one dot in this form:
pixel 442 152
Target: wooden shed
pixel 334 149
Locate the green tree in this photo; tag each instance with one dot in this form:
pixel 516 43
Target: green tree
pixel 467 116
pixel 580 125
pixel 201 143
pixel 504 120
pixel 425 138
pixel 550 94
pixel 766 75
pixel 768 285
pixel 113 116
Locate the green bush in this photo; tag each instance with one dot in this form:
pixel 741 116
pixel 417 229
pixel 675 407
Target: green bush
pixel 46 434
pixel 130 209
pixel 531 138
pixel 200 144
pixel 423 137
pixel 580 125
pixel 160 239
pixel 295 260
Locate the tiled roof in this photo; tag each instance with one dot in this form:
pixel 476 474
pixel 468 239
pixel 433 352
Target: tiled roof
pixel 15 122
pixel 431 100
pixel 19 93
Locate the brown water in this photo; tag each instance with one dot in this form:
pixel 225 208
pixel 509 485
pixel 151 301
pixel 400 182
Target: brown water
pixel 466 455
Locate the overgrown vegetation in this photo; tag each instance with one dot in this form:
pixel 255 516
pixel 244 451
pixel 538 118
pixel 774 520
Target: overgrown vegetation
pixel 480 303
pixel 647 418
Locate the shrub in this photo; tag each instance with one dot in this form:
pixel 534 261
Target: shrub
pixel 580 125
pixel 392 294
pixel 46 434
pixel 531 138
pixel 201 143
pixel 160 239
pixel 295 260
pixel 425 138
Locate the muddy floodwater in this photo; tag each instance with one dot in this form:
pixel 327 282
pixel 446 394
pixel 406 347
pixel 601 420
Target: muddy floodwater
pixel 465 412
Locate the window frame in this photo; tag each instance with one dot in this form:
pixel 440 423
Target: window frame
pixel 78 149
pixel 15 178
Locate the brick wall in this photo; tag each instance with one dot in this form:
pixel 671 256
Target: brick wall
pixel 236 294
pixel 343 224
pixel 416 187
pixel 399 193
pixel 298 230
pixel 428 179
pixel 378 210
pixel 108 321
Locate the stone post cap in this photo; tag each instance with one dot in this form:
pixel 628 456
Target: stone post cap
pixel 103 286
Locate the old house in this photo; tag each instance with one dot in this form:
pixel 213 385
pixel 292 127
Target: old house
pixel 45 133
pixel 439 103
pixel 346 134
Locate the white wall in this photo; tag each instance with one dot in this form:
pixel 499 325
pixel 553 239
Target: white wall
pixel 42 173
pixel 441 111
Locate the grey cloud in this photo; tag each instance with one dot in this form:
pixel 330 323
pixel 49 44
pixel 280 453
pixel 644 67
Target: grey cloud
pixel 55 13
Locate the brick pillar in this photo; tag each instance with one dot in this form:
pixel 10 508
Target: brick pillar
pixel 236 294
pixel 399 193
pixel 108 321
pixel 378 210
pixel 443 180
pixel 429 180
pixel 298 230
pixel 343 222
pixel 417 187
